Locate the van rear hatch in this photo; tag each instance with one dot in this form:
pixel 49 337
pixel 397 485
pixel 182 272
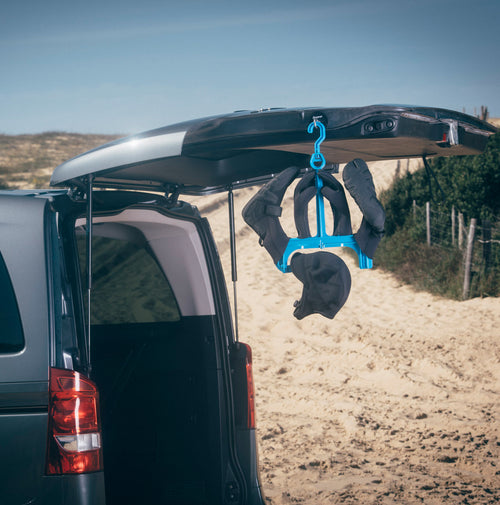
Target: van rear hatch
pixel 245 148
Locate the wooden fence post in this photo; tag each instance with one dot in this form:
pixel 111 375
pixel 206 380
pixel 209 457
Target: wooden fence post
pixel 486 241
pixel 428 222
pixel 461 227
pixel 468 258
pixel 453 241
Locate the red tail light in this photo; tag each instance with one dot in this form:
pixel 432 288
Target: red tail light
pixel 250 388
pixel 74 436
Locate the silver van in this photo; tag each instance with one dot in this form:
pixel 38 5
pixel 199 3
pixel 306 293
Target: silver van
pixel 121 379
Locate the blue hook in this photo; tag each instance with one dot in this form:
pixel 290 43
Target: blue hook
pixel 317 157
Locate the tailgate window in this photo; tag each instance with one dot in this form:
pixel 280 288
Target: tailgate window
pixel 128 285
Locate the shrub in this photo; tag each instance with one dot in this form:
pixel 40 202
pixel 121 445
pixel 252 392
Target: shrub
pixel 469 183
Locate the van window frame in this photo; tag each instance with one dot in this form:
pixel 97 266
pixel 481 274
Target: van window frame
pixel 65 351
pixel 8 299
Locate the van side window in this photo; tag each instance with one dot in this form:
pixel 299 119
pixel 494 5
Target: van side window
pixel 128 285
pixel 11 330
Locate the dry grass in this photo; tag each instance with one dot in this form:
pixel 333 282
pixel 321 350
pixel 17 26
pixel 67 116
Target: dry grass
pixel 27 161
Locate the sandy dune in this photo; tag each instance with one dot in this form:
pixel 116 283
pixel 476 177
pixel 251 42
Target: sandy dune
pixel 396 400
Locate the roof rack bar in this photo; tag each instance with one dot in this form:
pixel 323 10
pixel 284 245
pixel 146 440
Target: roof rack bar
pixel 234 268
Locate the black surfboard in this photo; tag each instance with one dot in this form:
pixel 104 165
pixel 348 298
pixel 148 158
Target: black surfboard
pixel 247 147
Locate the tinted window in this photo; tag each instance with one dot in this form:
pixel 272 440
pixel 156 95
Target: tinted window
pixel 128 286
pixel 11 330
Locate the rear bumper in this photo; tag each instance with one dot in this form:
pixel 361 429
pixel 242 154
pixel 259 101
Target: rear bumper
pixel 84 489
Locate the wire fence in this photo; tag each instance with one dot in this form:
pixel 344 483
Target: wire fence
pixel 477 240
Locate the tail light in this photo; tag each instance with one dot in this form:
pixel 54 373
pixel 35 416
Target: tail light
pixel 74 434
pixel 250 388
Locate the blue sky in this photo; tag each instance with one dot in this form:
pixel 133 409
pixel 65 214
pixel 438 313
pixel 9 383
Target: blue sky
pixel 127 66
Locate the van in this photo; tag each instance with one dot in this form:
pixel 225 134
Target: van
pixel 122 379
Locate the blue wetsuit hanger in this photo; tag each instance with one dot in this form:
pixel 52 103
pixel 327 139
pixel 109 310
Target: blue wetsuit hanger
pixel 322 240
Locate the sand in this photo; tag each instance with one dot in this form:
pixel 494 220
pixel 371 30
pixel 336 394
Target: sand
pixel 395 400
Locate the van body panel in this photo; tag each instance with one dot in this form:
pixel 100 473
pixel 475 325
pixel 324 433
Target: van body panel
pixel 25 396
pixel 23 438
pixel 23 247
pixel 24 374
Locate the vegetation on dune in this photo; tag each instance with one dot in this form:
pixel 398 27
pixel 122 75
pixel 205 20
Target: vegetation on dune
pixel 470 184
pixel 28 160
